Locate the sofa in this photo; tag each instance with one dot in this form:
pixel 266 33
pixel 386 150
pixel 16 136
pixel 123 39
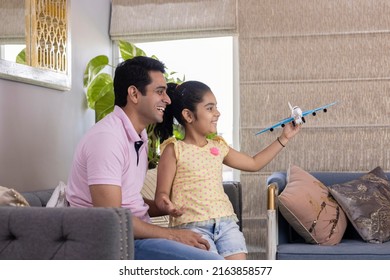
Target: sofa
pixel 284 243
pixel 67 233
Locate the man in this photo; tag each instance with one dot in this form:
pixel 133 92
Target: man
pixel 111 161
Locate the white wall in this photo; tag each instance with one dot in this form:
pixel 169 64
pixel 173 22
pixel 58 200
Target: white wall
pixel 40 127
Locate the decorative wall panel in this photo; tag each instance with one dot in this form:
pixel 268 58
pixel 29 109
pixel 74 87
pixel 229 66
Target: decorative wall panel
pixel 48 36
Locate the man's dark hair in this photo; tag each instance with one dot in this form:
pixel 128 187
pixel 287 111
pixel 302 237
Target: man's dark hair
pixel 134 72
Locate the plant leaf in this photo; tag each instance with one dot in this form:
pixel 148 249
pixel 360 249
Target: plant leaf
pixel 21 57
pixel 129 50
pixel 99 87
pixel 104 105
pixel 94 66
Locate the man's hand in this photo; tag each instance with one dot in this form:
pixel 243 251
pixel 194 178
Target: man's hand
pixel 145 230
pixel 190 238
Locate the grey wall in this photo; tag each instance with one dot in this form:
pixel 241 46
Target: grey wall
pixel 40 127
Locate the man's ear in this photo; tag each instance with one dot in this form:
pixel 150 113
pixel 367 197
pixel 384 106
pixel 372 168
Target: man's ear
pixel 187 115
pixel 132 94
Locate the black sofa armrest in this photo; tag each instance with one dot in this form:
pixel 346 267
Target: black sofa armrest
pixel 234 192
pixel 39 233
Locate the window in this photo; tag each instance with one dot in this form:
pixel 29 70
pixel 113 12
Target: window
pixel 209 60
pixel 10 52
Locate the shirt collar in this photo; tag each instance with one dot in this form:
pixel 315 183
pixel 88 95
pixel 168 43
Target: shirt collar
pixel 132 134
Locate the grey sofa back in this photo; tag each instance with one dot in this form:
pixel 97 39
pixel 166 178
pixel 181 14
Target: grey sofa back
pixel 38 198
pixel 69 233
pixel 32 233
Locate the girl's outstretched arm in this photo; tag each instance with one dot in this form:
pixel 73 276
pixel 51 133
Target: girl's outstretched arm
pixel 166 171
pixel 244 162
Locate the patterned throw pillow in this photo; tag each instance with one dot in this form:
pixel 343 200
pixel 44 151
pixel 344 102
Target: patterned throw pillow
pixel 148 191
pixel 366 201
pixel 307 206
pixel 10 197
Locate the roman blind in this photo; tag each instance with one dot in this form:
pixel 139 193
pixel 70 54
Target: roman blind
pixel 148 20
pixel 12 23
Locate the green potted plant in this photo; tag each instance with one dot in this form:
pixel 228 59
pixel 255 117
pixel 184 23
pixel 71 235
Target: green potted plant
pixel 99 89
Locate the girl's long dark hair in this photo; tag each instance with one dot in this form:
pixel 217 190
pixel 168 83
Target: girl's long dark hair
pixel 184 96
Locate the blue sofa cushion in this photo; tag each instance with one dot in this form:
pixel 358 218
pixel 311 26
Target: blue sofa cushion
pixel 292 247
pixel 347 249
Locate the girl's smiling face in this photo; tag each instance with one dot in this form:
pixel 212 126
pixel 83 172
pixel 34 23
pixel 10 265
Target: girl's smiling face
pixel 207 114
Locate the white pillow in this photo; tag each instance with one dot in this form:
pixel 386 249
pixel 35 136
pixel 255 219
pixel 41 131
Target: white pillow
pixel 58 198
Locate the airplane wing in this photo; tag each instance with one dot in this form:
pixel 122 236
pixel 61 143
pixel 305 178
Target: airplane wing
pixel 287 120
pixel 317 109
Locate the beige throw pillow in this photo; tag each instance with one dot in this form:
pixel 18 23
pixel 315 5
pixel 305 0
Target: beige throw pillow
pixel 308 207
pixel 10 197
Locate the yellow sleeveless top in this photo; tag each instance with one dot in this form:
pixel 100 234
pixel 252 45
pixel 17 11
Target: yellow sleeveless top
pixel 198 181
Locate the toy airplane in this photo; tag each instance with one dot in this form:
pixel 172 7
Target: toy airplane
pixel 297 116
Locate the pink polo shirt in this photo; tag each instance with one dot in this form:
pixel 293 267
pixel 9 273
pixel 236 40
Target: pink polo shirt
pixel 106 155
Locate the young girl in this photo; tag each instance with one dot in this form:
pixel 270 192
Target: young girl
pixel 189 179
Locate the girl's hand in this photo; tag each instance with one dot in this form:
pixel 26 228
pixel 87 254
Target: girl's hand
pixel 289 131
pixel 171 209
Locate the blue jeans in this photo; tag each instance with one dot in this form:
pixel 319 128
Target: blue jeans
pixel 164 249
pixel 223 235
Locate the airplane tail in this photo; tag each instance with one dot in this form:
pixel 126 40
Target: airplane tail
pixel 289 105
